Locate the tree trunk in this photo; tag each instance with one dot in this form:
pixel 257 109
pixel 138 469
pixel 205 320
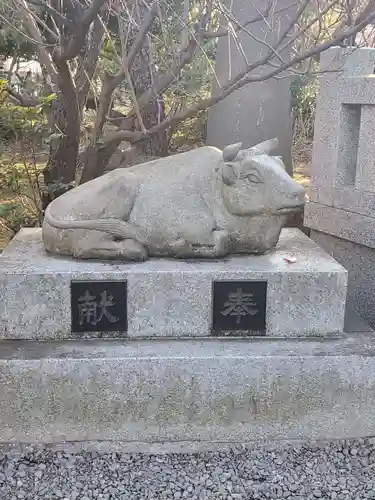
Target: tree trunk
pixel 98 159
pixel 59 173
pixel 95 158
pixel 152 115
pixel 142 73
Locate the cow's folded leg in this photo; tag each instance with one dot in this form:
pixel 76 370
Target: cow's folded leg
pixel 110 249
pixel 221 239
pixel 133 250
pixel 181 248
pixel 218 248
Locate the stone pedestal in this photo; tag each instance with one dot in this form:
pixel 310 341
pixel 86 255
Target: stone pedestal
pixel 186 395
pixel 295 290
pixel 174 379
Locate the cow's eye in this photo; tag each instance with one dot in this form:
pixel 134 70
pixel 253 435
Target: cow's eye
pixel 254 179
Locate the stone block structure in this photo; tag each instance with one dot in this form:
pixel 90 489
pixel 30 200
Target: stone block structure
pixel 341 211
pixel 193 354
pixel 180 355
pixel 261 110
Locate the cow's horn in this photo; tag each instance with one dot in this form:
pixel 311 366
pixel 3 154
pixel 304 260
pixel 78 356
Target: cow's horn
pixel 230 152
pixel 265 147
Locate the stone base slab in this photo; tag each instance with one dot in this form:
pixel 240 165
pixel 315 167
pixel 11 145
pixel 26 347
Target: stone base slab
pixel 141 394
pixel 172 298
pixel 342 223
pixel 359 261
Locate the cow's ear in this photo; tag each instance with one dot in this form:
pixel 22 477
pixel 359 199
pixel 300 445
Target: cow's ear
pixel 229 174
pixel 265 147
pixel 281 162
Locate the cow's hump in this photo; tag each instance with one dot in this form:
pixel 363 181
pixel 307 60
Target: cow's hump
pixel 199 160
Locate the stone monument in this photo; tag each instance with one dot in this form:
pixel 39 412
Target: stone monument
pixel 341 211
pixel 259 110
pixel 195 347
pixel 203 203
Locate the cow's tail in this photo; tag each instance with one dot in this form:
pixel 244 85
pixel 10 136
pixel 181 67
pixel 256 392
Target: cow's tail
pixel 114 227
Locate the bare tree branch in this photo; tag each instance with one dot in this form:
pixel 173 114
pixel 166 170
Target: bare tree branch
pixel 22 100
pixel 32 28
pixel 268 56
pixel 126 135
pixel 62 20
pixel 88 62
pixel 92 12
pixel 163 81
pixel 238 26
pixel 236 84
pixel 137 44
pixel 111 82
pixel 365 12
pixel 81 28
pixel 42 23
pixel 126 61
pixel 308 25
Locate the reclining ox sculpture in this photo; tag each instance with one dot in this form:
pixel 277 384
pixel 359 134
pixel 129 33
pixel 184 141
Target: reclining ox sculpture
pixel 203 203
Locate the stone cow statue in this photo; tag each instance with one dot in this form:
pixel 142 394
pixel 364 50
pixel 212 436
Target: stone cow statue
pixel 203 203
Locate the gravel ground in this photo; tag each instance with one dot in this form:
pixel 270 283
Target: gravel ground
pixel 341 470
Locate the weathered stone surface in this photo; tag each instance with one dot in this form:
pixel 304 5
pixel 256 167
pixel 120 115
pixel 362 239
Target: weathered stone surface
pixel 335 140
pixel 359 260
pixel 168 297
pixel 342 175
pixel 261 109
pixel 365 175
pixel 186 393
pixel 341 213
pixel 354 200
pixel 358 90
pixel 341 223
pixel 203 203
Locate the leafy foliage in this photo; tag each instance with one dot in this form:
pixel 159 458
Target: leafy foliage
pixel 13 44
pixel 304 92
pixel 20 123
pixel 20 197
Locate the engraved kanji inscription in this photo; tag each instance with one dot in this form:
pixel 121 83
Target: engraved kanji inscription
pixel 239 307
pixel 92 311
pixel 98 306
pixel 240 304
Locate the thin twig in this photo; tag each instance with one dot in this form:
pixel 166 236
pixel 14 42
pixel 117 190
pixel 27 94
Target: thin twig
pixel 203 104
pixel 24 101
pixel 239 26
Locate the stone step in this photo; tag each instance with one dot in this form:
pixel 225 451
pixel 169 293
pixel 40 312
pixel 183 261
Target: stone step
pixel 295 290
pixel 141 394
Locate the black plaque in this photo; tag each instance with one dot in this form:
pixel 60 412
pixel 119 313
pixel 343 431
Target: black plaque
pixel 239 307
pixel 99 306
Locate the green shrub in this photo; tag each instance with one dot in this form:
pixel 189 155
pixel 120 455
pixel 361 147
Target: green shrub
pixel 304 92
pixel 18 123
pixel 19 195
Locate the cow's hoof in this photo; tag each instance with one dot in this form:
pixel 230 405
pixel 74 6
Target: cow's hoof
pixel 133 250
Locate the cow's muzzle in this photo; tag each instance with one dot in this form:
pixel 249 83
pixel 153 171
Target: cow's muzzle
pixel 294 202
pixel 290 208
